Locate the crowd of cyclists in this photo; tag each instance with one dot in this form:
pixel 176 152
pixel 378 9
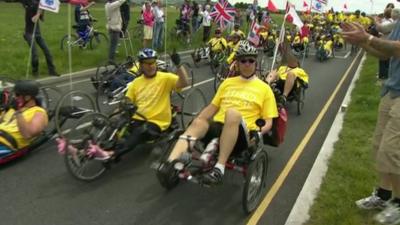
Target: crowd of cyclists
pixel 230 118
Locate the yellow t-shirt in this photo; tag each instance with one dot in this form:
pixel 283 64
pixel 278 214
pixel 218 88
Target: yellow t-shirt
pixel 299 72
pixel 152 97
pixel 253 98
pixel 353 18
pixel 238 32
pixel 263 35
pixel 296 39
pixel 9 125
pixel 217 44
pixel 328 46
pixel 234 47
pixel 135 69
pixel 305 40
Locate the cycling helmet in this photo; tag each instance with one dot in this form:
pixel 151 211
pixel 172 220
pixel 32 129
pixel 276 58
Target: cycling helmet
pixel 147 53
pixel 246 49
pixel 26 87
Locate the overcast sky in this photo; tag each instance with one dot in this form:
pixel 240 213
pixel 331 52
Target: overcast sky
pixel 352 5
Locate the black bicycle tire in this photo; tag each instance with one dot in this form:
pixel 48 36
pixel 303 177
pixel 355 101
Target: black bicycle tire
pixel 185 102
pixel 98 34
pixel 65 39
pixel 57 120
pixel 68 158
pixel 249 207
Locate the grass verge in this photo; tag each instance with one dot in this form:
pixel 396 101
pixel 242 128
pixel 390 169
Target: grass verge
pixel 351 173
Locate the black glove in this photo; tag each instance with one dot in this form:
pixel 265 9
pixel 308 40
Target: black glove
pixel 175 58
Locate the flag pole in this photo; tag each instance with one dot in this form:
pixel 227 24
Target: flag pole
pixel 281 36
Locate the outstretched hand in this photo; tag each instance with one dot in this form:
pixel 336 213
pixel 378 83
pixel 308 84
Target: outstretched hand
pixel 354 33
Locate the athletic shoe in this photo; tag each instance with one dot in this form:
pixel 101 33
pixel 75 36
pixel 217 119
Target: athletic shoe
pixel 372 202
pixel 214 176
pixel 390 215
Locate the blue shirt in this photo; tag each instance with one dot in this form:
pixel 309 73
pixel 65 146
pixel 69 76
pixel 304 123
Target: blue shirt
pixel 392 84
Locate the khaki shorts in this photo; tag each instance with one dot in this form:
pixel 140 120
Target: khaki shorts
pixel 387 136
pixel 147 32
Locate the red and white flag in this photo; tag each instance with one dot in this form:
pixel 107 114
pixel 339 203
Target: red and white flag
pixel 50 5
pixel 271 6
pixel 305 5
pixel 293 17
pixel 253 36
pixel 78 2
pixel 223 13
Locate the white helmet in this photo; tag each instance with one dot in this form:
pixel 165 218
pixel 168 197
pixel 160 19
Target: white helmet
pixel 246 49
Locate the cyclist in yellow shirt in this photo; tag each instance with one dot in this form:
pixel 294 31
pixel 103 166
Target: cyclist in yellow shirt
pixel 233 46
pixel 217 43
pixel 237 31
pixel 24 121
pixel 150 92
pixel 232 113
pixel 290 75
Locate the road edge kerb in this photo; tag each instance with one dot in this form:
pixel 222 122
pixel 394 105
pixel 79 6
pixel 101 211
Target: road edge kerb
pixel 300 211
pixel 86 73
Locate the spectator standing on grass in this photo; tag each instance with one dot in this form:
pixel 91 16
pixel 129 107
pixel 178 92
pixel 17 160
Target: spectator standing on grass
pixel 195 16
pixel 206 23
pixel 387 131
pixel 158 29
pixel 32 15
pixel 114 26
pixel 148 23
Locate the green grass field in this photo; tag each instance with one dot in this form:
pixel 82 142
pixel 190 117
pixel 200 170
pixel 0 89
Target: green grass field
pixel 351 173
pixel 14 50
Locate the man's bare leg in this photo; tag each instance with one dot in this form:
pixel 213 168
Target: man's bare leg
pixel 289 83
pixel 197 129
pixel 229 135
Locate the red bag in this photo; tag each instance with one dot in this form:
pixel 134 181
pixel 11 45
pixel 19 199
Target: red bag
pixel 277 133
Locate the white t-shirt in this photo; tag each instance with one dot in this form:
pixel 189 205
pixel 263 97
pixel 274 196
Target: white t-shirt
pixel 113 15
pixel 158 14
pixel 206 18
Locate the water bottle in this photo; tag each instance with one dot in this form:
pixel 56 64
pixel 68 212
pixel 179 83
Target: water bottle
pixel 210 150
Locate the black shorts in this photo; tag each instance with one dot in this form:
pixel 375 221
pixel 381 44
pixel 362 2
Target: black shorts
pixel 215 130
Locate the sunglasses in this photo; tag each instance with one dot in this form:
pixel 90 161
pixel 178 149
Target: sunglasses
pixel 243 61
pixel 149 62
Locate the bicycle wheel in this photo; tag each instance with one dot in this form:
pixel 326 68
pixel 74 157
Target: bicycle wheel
pixel 300 96
pixel 194 101
pixel 98 39
pixel 49 97
pixel 102 71
pixel 72 106
pixel 93 128
pixel 167 176
pixel 68 42
pixel 255 182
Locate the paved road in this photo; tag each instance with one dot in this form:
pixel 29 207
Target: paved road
pixel 38 190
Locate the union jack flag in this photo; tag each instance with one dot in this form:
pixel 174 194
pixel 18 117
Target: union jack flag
pixel 223 13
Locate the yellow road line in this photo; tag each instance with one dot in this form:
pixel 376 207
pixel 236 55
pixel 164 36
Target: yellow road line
pixel 293 159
